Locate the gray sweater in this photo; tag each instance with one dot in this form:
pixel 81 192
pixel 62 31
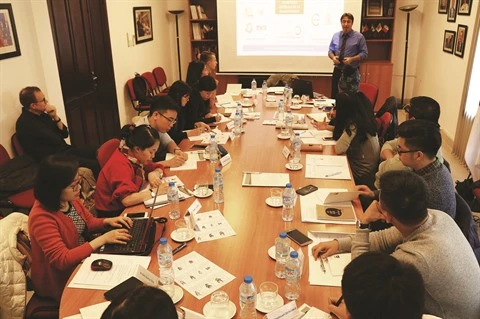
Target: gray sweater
pixel 441 253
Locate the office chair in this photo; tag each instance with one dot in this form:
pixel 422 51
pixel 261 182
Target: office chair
pixel 371 92
pixel 161 78
pixel 137 106
pixel 106 150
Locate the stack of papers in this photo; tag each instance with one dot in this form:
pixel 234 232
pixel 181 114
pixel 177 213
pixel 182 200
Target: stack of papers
pixel 316 137
pixel 336 198
pixel 327 167
pixel 265 179
pixel 319 117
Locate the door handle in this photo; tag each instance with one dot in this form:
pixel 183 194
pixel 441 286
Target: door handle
pixel 94 79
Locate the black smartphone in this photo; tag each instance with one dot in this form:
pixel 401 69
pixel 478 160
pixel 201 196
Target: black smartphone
pixel 199 146
pixel 137 215
pixel 300 238
pixel 306 189
pixel 222 150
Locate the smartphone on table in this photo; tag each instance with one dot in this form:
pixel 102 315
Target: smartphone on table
pixel 137 215
pixel 300 238
pixel 305 190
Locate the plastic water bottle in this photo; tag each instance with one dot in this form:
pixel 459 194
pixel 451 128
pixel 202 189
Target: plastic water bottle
pixel 288 199
pixel 289 122
pixel 239 109
pixel 281 110
pixel 165 266
pixel 292 276
pixel 288 98
pixel 248 298
pixel 218 186
pixel 282 248
pixel 285 91
pixel 253 86
pixel 295 155
pixel 213 149
pixel 172 196
pixel 237 127
pixel 264 89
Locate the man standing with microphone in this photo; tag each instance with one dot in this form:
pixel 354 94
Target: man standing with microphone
pixel 346 50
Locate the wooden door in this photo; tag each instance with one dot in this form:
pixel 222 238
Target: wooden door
pixel 379 74
pixel 84 57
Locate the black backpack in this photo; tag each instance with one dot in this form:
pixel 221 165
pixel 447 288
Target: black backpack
pixel 142 90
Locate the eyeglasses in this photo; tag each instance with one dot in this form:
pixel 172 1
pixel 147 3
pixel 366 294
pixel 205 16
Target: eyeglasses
pixel 42 101
pixel 172 121
pixel 399 151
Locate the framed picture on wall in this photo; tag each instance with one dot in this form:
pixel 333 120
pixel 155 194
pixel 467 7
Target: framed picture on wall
pixel 461 39
pixel 449 41
pixel 464 7
pixel 442 6
pixel 452 11
pixel 374 8
pixel 9 46
pixel 142 18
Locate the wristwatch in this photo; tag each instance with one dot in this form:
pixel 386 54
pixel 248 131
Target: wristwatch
pixel 362 226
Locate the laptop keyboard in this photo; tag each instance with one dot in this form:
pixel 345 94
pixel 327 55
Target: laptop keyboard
pixel 137 231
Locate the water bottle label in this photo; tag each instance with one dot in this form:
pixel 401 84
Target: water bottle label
pixel 165 260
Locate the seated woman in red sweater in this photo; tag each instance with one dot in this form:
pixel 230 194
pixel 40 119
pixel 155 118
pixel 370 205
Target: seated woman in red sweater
pixel 60 226
pixel 128 171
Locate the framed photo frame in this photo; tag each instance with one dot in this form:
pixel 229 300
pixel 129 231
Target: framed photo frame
pixel 442 6
pixel 452 11
pixel 461 40
pixel 464 7
pixel 374 8
pixel 142 19
pixel 449 41
pixel 9 46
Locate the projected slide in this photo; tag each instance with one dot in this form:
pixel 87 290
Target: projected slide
pixel 286 27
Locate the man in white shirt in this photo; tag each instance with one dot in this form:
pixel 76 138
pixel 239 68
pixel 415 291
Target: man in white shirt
pixel 162 116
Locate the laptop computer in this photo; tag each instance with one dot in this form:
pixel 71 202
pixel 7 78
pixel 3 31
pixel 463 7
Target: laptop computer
pixel 143 236
pixel 301 87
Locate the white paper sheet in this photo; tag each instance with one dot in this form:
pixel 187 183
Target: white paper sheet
pixel 220 137
pixel 212 225
pixel 308 205
pixel 199 276
pixel 319 117
pixel 191 162
pixel 190 314
pixel 94 311
pixel 316 274
pixel 123 268
pixel 265 179
pixel 327 167
pixel 234 88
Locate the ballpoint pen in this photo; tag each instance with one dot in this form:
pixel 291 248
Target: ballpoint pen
pixel 333 174
pixel 322 265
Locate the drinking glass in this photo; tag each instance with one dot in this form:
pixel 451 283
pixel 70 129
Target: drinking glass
pixel 268 294
pixel 276 196
pixel 284 129
pixel 219 305
pixel 305 98
pixel 202 187
pixel 181 228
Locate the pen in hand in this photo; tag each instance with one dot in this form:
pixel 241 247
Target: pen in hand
pixel 336 304
pixel 322 265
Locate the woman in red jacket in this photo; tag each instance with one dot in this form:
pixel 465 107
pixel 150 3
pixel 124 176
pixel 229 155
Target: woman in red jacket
pixel 60 226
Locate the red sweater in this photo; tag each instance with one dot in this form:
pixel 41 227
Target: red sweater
pixel 55 248
pixel 117 180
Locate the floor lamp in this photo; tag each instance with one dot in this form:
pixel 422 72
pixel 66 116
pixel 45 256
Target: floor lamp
pixel 406 9
pixel 176 13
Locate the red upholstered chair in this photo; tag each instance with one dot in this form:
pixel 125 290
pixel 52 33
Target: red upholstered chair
pixel 371 92
pixel 41 308
pixel 23 199
pixel 17 147
pixel 133 97
pixel 161 78
pixel 153 83
pixel 383 123
pixel 106 150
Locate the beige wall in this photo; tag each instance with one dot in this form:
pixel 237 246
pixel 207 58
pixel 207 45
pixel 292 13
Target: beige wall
pixel 430 71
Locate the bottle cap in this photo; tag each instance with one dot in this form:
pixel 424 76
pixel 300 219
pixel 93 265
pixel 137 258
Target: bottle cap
pixel 212 136
pixel 163 241
pixel 171 184
pixel 248 279
pixel 288 185
pixel 297 134
pixel 293 254
pixel 283 234
pixel 217 170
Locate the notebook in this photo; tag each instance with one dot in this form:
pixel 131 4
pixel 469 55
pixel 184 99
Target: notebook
pixel 301 87
pixel 335 213
pixel 143 237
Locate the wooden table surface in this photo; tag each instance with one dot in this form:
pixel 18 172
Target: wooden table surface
pixel 256 224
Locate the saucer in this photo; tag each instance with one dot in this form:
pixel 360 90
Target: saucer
pixel 174 236
pixel 297 168
pixel 283 137
pixel 296 107
pixel 247 95
pixel 271 99
pixel 197 194
pixel 178 294
pixel 232 309
pixel 270 203
pixel 260 307
pixel 271 252
pixel 247 104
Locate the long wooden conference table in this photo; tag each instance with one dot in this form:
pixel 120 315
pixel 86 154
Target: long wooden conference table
pixel 256 224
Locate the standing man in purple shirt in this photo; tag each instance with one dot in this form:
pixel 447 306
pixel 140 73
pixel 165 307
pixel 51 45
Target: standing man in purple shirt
pixel 346 50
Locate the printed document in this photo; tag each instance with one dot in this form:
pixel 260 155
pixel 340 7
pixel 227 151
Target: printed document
pixel 327 167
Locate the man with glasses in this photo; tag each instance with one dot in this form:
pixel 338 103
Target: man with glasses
pixel 41 132
pixel 426 238
pixel 420 108
pixel 162 117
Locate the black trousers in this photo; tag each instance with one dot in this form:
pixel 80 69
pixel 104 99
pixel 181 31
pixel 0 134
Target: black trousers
pixel 86 157
pixel 337 73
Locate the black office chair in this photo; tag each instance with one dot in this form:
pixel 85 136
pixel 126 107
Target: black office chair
pixel 464 220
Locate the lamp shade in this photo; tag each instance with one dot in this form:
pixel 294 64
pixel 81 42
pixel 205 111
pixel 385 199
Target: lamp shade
pixel 176 5
pixel 409 7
